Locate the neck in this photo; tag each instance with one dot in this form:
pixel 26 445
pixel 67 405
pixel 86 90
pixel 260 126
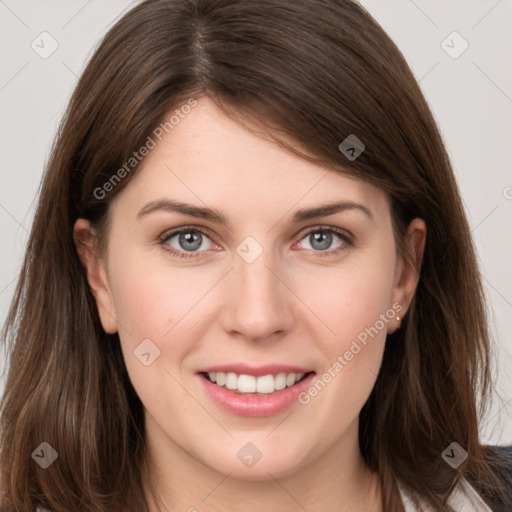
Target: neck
pixel 337 480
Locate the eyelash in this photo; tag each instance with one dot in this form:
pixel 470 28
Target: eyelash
pixel 348 242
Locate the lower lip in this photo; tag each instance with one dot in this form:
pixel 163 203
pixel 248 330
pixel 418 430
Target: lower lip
pixel 255 405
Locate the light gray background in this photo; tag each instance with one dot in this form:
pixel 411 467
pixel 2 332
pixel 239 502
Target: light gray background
pixel 470 96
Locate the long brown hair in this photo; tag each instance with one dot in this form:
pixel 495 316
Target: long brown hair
pixel 314 72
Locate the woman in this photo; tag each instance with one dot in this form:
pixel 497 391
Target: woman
pixel 250 282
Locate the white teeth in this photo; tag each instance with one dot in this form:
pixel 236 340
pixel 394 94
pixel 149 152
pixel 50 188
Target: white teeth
pixel 249 384
pixel 290 379
pixel 232 381
pixel 265 384
pixel 220 378
pixel 280 382
pixel 246 384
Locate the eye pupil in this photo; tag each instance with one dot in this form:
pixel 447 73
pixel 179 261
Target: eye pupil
pixel 192 238
pixel 324 239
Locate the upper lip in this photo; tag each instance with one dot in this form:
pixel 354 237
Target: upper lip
pixel 256 371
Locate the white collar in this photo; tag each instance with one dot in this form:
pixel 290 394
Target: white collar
pixel 463 498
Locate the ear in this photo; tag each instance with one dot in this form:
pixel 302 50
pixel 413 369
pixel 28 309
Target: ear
pixel 408 268
pixel 94 265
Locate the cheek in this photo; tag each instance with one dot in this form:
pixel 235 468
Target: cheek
pixel 353 297
pixel 151 298
pixel 355 303
pixel 158 302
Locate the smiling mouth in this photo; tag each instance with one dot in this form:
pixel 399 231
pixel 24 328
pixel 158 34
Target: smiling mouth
pixel 244 384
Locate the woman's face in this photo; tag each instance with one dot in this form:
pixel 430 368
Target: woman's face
pixel 258 291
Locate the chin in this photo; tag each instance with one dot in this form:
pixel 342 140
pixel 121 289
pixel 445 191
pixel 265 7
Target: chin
pixel 245 461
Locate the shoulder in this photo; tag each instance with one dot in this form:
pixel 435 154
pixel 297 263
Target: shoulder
pixel 467 496
pixel 504 453
pixel 500 459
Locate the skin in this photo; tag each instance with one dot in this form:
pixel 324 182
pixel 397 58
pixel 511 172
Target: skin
pixel 292 305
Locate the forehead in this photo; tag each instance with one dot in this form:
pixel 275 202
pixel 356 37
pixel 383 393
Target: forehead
pixel 209 158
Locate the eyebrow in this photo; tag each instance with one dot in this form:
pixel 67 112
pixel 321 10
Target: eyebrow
pixel 216 216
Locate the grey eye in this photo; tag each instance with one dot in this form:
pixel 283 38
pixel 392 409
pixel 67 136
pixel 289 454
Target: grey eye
pixel 321 240
pixel 189 240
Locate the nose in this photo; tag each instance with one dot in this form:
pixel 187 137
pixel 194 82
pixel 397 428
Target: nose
pixel 258 305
